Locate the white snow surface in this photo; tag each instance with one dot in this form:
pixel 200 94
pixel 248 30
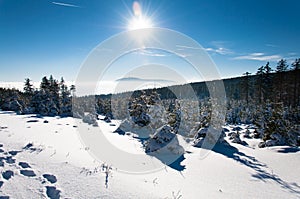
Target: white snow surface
pixel 234 171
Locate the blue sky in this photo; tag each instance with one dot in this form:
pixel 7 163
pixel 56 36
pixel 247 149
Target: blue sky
pixel 43 37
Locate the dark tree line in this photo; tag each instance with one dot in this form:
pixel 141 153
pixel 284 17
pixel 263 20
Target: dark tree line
pixel 52 98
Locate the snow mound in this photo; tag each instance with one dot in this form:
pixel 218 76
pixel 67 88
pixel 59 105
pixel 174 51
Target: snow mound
pixel 164 140
pixel 90 119
pixel 130 126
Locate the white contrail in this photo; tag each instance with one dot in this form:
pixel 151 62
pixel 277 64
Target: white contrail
pixel 65 4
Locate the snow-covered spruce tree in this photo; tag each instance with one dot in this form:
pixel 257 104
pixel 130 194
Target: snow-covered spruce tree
pixel 103 106
pixel 165 125
pixel 54 102
pixel 146 114
pixel 156 111
pixel 215 133
pixel 277 126
pixel 138 108
pixel 85 108
pixel 239 112
pixel 264 84
pixel 65 102
pixel 42 97
pixel 174 115
pixel 35 101
pixel 47 100
pixel 28 87
pixel 27 96
pixel 119 107
pixel 233 112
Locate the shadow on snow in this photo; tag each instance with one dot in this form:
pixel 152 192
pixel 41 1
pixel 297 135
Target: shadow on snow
pixel 260 168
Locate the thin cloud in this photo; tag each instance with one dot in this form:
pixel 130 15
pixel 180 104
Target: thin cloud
pixel 257 54
pixel 259 57
pixel 65 4
pixel 219 50
pixel 187 51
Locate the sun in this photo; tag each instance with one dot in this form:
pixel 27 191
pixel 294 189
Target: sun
pixel 138 20
pixel 139 23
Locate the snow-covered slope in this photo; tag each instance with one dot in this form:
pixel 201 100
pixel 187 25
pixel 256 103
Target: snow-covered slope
pixel 44 158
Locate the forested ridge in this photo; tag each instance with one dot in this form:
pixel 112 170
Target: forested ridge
pixel 268 99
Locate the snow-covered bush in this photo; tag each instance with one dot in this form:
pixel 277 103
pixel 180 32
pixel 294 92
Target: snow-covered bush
pixel 90 119
pixel 16 106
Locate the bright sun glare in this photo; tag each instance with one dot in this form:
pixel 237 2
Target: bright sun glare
pixel 139 21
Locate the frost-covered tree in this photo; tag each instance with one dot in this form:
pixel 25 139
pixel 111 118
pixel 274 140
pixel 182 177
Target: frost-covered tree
pixel 138 108
pixel 65 102
pixel 28 87
pixel 13 102
pixel 49 96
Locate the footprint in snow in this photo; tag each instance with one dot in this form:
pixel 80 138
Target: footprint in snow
pixel 1 183
pixel 50 178
pixel 13 153
pixel 52 192
pixel 10 160
pixel 28 173
pixel 7 174
pixel 24 165
pixel 28 146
